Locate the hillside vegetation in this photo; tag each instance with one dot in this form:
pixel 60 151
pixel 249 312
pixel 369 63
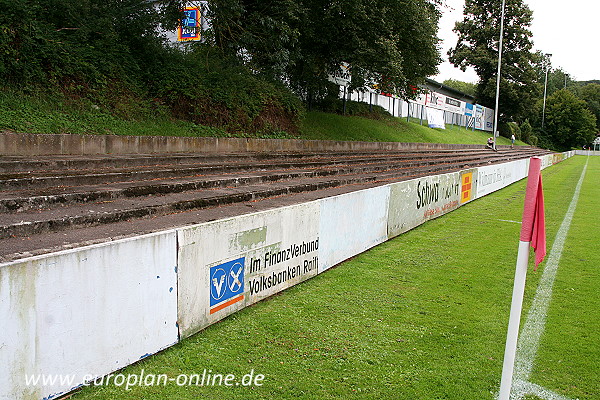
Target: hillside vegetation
pixel 325 126
pixel 117 73
pixel 28 114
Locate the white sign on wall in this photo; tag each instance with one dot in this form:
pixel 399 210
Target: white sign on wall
pixel 342 77
pixel 227 265
pixel 418 200
pixel 435 118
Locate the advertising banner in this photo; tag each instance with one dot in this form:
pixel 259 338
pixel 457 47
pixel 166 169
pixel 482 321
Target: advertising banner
pixel 479 123
pixel 435 100
pixel 488 118
pixel 190 27
pixel 469 109
pixel 227 265
pixel 418 200
pixel 435 118
pixel 495 177
pixel 455 106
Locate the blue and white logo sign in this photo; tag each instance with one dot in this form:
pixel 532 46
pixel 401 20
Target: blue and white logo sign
pixel 226 281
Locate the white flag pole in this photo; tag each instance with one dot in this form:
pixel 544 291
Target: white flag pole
pixel 514 320
pixel 520 275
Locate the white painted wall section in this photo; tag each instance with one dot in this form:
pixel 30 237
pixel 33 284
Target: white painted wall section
pixel 352 223
pixel 88 311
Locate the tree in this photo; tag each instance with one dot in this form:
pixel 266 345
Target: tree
pixel 590 93
pixel 88 42
pixel 558 79
pixel 568 122
pixel 393 44
pixel 527 132
pixel 465 87
pixel 477 46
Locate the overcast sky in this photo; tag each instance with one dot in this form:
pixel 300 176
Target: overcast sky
pixel 569 30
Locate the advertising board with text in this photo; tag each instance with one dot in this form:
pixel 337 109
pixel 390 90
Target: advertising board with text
pixel 226 266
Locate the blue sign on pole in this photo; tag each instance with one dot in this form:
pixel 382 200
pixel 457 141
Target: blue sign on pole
pixel 189 29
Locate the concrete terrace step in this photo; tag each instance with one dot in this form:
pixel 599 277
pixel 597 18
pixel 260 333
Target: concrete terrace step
pixel 94 188
pixel 107 207
pixel 26 224
pixel 74 163
pixel 43 178
pixel 49 201
pixel 16 165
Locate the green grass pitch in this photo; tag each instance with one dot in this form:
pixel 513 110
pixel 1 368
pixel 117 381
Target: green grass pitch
pixel 422 316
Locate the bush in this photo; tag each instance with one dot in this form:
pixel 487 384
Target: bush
pixel 527 132
pixel 333 104
pixel 507 129
pixel 209 89
pixel 110 54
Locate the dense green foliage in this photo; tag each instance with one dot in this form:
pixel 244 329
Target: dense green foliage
pixel 465 87
pixel 478 46
pixel 111 54
pixel 590 93
pixel 392 44
pixel 527 133
pixel 98 66
pixel 84 42
pixel 557 79
pixel 257 61
pixel 568 121
pixel 523 76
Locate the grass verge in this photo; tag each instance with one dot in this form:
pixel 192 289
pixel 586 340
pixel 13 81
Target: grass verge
pixel 422 316
pixel 46 113
pixel 324 126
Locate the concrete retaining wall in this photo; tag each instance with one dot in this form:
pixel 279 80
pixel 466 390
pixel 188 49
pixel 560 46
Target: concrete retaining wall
pixel 17 144
pixel 90 311
pixel 587 152
pixel 85 312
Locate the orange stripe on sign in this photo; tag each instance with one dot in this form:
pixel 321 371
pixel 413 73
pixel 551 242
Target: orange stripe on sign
pixel 226 304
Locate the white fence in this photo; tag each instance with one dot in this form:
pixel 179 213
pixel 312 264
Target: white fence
pixel 456 112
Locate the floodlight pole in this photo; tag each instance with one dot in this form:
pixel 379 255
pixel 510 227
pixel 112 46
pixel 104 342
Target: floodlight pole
pixel 498 75
pixel 547 65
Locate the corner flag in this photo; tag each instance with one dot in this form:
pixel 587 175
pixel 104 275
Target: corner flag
pixel 533 228
pixel 533 232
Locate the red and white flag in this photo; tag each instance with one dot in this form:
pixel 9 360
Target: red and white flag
pixel 533 228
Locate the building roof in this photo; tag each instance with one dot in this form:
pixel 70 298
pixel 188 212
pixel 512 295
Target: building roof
pixel 433 85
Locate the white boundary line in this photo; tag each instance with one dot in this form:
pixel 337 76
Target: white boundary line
pixel 529 338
